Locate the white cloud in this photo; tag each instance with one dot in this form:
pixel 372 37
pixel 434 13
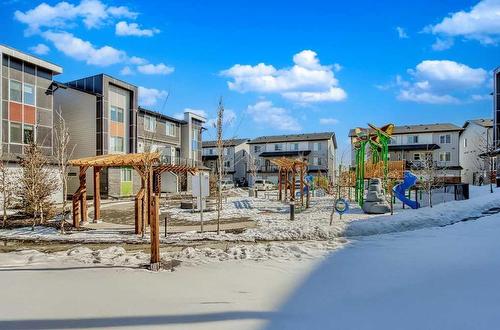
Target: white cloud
pixel 132 29
pixel 328 121
pixel 227 120
pixel 151 96
pixel 94 13
pixel 306 81
pixel 401 32
pixel 482 97
pixel 127 71
pixel 83 50
pixel 40 49
pixel 440 82
pixel 442 44
pixel 155 69
pixel 481 23
pixel 264 113
pixel 137 60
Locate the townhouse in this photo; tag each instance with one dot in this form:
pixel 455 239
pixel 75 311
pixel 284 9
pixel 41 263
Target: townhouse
pixel 27 108
pixel 101 113
pixel 476 141
pixel 178 141
pixel 235 154
pixel 319 150
pixel 27 102
pixel 416 143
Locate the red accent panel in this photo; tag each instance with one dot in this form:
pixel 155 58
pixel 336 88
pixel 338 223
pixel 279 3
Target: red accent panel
pixel 29 115
pixel 15 112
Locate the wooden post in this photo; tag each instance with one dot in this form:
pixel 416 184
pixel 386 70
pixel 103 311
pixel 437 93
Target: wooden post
pixel 76 209
pixel 155 233
pixel 97 194
pixel 139 211
pixel 292 192
pixel 279 184
pixel 83 193
pixel 302 185
pixel 150 196
pixel 286 184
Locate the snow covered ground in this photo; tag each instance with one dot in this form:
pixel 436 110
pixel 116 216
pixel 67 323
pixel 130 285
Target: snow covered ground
pixel 389 276
pixel 435 278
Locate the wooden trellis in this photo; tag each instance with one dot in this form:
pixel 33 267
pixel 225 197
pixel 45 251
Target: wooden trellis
pixel 147 206
pixel 287 171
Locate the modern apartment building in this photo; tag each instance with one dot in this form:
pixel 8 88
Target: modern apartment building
pixel 177 140
pixel 235 155
pixel 101 113
pixel 415 143
pixel 27 102
pixel 496 120
pixel 318 149
pixel 476 140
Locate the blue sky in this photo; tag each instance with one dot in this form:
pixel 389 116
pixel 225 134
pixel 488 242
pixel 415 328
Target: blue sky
pixel 280 66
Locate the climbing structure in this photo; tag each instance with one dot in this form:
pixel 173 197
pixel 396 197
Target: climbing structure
pixel 378 139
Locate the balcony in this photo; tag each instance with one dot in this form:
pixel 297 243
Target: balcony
pixel 268 169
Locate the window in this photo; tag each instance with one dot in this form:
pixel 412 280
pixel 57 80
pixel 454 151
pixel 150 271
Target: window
pixel 294 147
pixel 227 164
pixel 392 141
pixel 210 151
pixel 445 156
pixel 194 145
pixel 316 146
pixel 149 123
pixel 413 139
pixel 116 144
pixel 28 135
pixel 226 151
pixel 170 129
pixel 256 149
pixel 117 114
pixel 126 175
pixel 278 147
pixel 465 143
pixel 29 94
pixel 416 156
pixel 16 134
pixel 445 138
pixel 16 91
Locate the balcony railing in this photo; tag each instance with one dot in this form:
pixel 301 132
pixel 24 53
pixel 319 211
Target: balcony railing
pixel 268 169
pixel 166 159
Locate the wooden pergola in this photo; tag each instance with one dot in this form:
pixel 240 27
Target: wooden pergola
pixel 287 171
pixel 147 205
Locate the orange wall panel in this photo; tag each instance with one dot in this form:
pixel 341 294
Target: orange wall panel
pixel 116 129
pixel 29 115
pixel 15 112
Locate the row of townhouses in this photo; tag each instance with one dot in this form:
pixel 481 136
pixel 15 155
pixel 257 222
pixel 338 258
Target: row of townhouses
pixel 103 116
pixel 245 158
pixel 460 152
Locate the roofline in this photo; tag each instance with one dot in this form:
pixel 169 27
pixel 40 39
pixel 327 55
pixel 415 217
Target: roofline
pixel 458 128
pixel 472 120
pixel 161 115
pixel 35 59
pixel 332 134
pixel 210 142
pixel 58 83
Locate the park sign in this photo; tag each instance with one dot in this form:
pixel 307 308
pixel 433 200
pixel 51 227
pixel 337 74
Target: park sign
pixel 341 206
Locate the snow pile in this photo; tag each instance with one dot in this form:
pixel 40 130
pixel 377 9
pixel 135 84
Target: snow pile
pixel 440 215
pixel 118 257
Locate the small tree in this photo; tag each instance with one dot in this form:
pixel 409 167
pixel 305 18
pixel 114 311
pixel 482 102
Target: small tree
pixel 37 184
pixel 220 160
pixel 432 175
pixel 6 189
pixel 63 153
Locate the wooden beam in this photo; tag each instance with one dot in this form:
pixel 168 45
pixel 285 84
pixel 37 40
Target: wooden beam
pixel 76 209
pixel 280 195
pixel 292 193
pixel 97 194
pixel 302 185
pixel 83 193
pixel 155 234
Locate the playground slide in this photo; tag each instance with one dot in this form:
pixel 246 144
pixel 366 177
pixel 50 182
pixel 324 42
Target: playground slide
pixel 399 190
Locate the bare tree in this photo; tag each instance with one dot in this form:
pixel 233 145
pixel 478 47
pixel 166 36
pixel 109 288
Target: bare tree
pixel 37 183
pixel 63 154
pixel 432 175
pixel 483 162
pixel 220 160
pixel 6 189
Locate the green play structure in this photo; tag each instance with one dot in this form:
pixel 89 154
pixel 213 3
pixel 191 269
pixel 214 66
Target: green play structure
pixel 378 139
